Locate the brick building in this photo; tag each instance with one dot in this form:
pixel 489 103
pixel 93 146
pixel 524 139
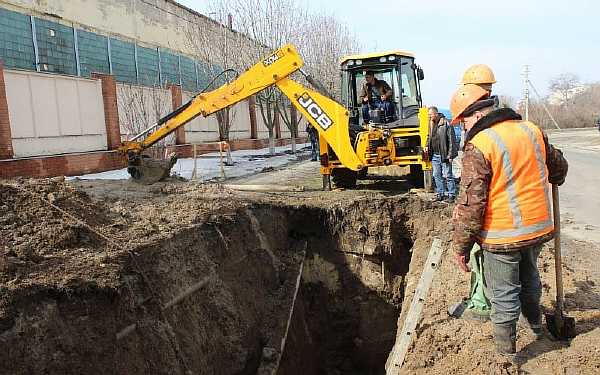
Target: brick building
pixel 72 68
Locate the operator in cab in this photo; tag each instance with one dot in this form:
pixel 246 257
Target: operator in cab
pixel 376 94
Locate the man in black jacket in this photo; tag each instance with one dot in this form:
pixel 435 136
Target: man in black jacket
pixel 443 148
pixel 313 136
pixel 377 94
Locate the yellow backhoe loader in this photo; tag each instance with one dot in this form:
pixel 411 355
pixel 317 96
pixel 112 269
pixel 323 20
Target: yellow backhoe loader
pixel 398 137
pixel 343 147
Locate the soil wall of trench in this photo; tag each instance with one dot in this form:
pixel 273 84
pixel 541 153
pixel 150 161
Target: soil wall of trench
pixel 217 297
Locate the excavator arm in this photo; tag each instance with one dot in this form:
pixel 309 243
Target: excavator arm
pixel 327 116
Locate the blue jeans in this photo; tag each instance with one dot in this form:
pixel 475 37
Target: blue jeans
pixel 314 148
pixel 513 285
pixel 388 109
pixel 442 174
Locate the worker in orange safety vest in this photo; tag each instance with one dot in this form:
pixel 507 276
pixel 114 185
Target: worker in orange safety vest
pixel 477 306
pixel 504 206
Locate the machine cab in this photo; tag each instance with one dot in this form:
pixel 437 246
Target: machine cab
pixel 398 70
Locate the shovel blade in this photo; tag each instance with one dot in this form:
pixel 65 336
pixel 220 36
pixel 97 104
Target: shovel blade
pixel 561 327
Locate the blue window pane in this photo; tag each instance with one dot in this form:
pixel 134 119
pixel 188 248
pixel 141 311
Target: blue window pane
pixel 56 47
pixel 148 66
pixel 206 73
pixel 123 60
pixel 188 74
pixel 169 67
pixel 16 42
pixel 93 53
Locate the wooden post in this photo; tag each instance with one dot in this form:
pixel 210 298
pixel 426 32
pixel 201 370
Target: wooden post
pixel 228 153
pixel 404 337
pixel 195 172
pixel 221 154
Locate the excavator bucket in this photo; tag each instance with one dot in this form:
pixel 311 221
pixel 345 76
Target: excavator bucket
pixel 146 170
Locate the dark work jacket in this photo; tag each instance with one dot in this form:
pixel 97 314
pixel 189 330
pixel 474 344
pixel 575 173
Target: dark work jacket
pixel 312 133
pixel 442 140
pixel 381 86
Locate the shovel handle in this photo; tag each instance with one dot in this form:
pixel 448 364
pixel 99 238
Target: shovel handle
pixel 557 250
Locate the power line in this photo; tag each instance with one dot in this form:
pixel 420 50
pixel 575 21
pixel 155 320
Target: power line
pixel 527 83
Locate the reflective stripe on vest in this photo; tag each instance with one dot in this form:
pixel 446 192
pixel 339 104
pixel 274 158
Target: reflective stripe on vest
pixel 540 158
pixel 518 206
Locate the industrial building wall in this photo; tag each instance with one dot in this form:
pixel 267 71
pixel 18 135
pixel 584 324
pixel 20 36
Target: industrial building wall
pixel 54 114
pixel 206 129
pixel 157 23
pixel 38 42
pixel 202 129
pixel 160 22
pixel 79 76
pixel 239 122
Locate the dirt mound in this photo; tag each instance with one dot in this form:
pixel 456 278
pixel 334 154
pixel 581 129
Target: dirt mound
pixel 30 224
pixel 450 346
pixel 39 231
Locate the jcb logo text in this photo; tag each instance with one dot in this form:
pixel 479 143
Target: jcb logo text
pixel 315 111
pixel 271 59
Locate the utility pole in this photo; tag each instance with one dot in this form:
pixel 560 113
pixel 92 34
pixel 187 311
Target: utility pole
pixel 527 84
pixel 526 91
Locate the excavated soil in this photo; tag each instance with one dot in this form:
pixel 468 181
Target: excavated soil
pixel 452 346
pixel 190 278
pixel 112 277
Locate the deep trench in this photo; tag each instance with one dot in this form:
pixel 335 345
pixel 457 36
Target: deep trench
pixel 354 259
pixel 344 320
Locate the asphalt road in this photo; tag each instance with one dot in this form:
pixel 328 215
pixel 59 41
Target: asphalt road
pixel 580 194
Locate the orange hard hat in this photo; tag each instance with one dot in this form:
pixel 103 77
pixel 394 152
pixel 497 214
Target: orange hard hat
pixel 463 98
pixel 478 74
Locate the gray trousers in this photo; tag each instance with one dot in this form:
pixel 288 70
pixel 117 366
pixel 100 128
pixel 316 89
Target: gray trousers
pixel 512 283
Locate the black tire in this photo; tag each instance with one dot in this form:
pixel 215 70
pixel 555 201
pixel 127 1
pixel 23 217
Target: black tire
pixel 344 178
pixel 362 174
pixel 417 176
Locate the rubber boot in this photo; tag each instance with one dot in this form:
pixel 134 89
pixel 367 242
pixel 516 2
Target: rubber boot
pixel 505 339
pixel 533 314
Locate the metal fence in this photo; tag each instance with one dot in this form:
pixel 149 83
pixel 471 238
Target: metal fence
pixel 32 43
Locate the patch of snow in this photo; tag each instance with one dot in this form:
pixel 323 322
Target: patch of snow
pixel 245 162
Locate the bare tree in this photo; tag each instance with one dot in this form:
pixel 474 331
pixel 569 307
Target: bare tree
pixel 269 24
pixel 215 45
pixel 325 41
pixel 582 112
pixel 290 117
pixel 141 107
pixel 564 85
pixel 263 25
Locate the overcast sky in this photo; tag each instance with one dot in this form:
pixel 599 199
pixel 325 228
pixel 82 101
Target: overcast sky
pixel 551 36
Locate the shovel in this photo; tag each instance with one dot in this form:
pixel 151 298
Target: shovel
pixel 562 327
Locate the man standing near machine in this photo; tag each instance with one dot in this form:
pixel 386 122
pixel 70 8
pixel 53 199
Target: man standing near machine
pixel 443 148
